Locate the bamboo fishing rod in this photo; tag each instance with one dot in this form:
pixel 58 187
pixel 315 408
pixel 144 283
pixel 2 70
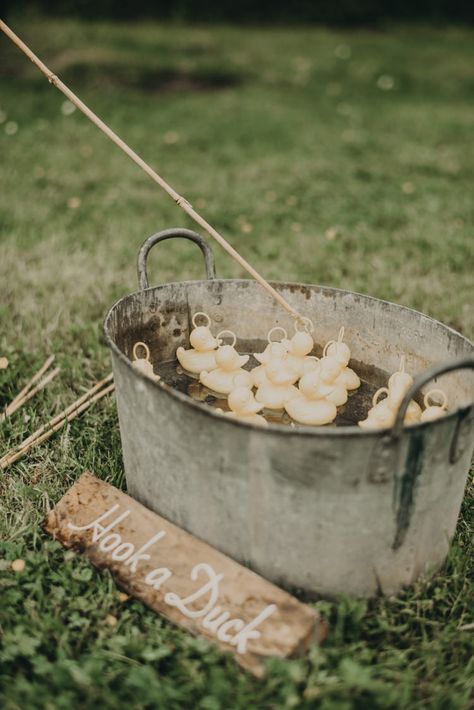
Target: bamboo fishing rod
pixel 179 199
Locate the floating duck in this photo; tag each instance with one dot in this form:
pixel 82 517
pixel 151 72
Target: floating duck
pixel 308 407
pixel 338 350
pixel 278 387
pixel 201 356
pixel 242 402
pixel 299 348
pixel 228 364
pixel 434 411
pixel 325 377
pixel 398 385
pixel 143 364
pixel 274 350
pixel 383 413
pixel 400 381
pixel 380 415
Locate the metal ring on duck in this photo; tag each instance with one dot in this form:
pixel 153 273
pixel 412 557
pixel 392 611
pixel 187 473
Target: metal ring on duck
pixel 201 313
pixel 230 332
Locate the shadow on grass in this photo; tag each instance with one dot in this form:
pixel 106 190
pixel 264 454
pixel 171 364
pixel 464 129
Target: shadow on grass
pixel 101 72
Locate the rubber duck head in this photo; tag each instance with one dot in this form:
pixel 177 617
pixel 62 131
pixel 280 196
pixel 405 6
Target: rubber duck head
pixel 301 344
pixel 434 410
pixel 242 401
pixel 201 339
pixel 279 372
pixel 398 384
pixel 330 368
pixel 278 350
pixel 398 389
pixel 275 348
pixel 338 350
pixel 227 357
pixel 400 378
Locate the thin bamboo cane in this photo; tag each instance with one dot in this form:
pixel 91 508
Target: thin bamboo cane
pixel 14 406
pixel 87 395
pixel 180 201
pixel 41 385
pixel 31 382
pixel 13 456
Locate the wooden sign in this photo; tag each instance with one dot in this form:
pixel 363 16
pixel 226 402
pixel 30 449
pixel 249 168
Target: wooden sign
pixel 181 577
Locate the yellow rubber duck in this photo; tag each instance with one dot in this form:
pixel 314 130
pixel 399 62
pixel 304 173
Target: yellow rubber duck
pixel 202 355
pixel 383 413
pixel 299 347
pixel 434 411
pixel 242 402
pixel 325 378
pixel 278 387
pixel 340 351
pixel 143 364
pixel 228 364
pixel 276 349
pixel 308 407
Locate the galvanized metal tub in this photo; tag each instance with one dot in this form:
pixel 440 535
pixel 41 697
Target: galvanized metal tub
pixel 324 510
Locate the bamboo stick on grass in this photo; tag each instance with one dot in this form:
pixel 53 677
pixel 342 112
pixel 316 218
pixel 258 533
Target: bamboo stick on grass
pixel 22 394
pixel 17 403
pixel 49 429
pixel 49 361
pixel 66 412
pixel 27 393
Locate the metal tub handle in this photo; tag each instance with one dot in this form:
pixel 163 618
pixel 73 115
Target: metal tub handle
pixel 406 481
pixel 385 454
pixel 423 379
pixel 179 233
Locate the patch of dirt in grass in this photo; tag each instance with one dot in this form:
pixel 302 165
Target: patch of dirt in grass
pixel 153 80
pixel 102 68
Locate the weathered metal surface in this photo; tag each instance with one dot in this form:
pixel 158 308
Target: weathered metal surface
pixel 325 510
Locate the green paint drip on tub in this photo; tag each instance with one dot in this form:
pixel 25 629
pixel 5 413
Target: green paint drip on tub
pixel 405 491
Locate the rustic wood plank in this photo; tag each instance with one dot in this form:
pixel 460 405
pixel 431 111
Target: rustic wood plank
pixel 181 577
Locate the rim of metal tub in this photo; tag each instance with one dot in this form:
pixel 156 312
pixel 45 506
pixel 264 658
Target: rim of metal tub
pixel 388 434
pixel 350 430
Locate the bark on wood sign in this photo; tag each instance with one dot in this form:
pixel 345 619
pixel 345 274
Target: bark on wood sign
pixel 181 577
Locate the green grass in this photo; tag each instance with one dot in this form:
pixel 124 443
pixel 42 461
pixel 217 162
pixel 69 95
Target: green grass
pixel 315 172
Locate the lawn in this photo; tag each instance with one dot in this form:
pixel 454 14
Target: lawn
pixel 342 158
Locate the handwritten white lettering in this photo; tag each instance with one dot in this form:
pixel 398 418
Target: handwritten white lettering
pixel 212 617
pixel 140 553
pixel 211 586
pixel 249 631
pixel 223 632
pixel 123 551
pixel 109 543
pixel 98 530
pixel 157 576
